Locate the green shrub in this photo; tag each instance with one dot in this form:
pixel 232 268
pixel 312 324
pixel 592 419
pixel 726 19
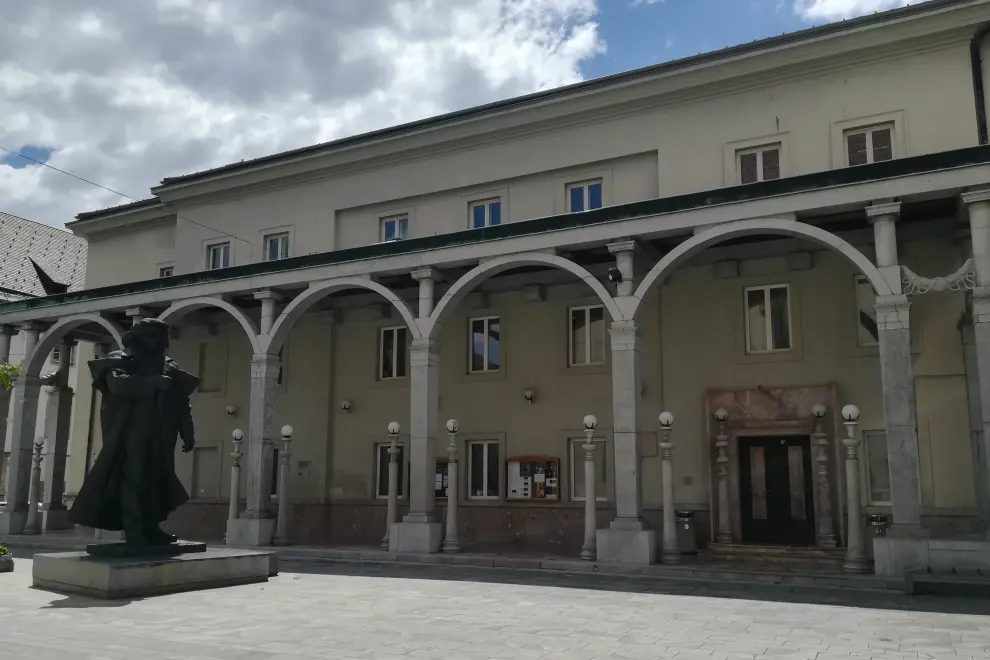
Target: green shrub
pixel 4 550
pixel 8 374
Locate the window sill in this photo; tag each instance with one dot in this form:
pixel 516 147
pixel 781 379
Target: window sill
pixel 390 383
pixel 588 369
pixel 484 377
pixel 793 355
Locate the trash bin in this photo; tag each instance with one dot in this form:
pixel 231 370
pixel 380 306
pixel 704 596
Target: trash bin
pixel 687 539
pixel 878 522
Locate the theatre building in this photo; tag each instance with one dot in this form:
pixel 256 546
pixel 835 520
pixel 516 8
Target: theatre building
pixel 750 240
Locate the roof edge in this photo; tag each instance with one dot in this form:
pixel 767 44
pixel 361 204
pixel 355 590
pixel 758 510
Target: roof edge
pixel 115 210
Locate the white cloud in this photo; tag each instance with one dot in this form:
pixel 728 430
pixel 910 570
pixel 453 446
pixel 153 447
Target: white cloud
pixel 126 93
pixel 831 10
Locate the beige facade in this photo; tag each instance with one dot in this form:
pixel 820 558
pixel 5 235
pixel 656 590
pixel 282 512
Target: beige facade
pixel 760 295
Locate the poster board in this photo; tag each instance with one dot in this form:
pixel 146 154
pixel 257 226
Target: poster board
pixel 533 478
pixel 442 479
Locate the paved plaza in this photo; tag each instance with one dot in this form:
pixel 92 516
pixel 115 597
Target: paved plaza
pixel 402 612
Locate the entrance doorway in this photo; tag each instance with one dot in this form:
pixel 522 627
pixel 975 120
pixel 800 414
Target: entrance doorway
pixel 775 483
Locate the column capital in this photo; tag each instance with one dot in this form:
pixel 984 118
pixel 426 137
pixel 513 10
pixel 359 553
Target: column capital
pixel 877 211
pixel 622 245
pixel 893 312
pixel 268 294
pixel 138 313
pixel 976 196
pixel 624 335
pixel 262 363
pixel 30 326
pixel 426 274
pixel 424 353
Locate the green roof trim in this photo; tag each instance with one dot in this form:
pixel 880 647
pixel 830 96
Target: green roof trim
pixel 797 184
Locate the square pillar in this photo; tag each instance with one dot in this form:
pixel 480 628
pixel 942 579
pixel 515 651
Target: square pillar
pixel 980 447
pixel 23 416
pixel 419 532
pixel 6 333
pixel 58 418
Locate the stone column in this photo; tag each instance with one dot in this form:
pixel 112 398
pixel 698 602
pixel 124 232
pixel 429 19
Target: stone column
pixel 282 524
pixel 236 438
pixel 451 544
pixel 33 523
pixel 392 503
pixel 23 416
pixel 6 332
pixel 826 526
pixel 671 555
pixel 724 534
pixel 269 301
pixel 256 524
pixel 856 560
pixel 588 548
pixel 58 419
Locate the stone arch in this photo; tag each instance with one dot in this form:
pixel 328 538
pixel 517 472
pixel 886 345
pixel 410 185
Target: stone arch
pixel 731 230
pixel 53 336
pixel 272 343
pixel 180 308
pixel 487 269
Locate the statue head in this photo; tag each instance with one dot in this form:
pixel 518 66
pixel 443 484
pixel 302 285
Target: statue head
pixel 147 337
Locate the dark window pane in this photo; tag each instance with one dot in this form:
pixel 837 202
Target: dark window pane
pixel 403 231
pixel 388 348
pixel 494 345
pixel 382 470
pixel 401 352
pixel 596 334
pixel 595 196
pixel 578 336
pixel 780 319
pixel 478 215
pixel 390 230
pixel 856 144
pixel 477 345
pixel 477 474
pixel 493 471
pixel 756 321
pixel 274 472
pixel 771 164
pixel 495 213
pixel 226 255
pixel 747 168
pixel 882 147
pixel 577 198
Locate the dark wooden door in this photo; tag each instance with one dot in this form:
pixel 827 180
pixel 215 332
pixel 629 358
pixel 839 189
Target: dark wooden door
pixel 775 481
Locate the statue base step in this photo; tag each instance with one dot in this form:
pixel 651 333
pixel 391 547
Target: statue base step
pixel 131 551
pixel 79 573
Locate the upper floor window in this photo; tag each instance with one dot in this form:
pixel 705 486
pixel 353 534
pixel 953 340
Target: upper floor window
pixel 487 213
pixel 759 164
pixel 584 196
pixel 485 345
pixel 768 319
pixel 166 271
pixel 217 256
pixel 392 353
pixel 587 336
pixel 395 228
pixel 276 246
pixel 870 145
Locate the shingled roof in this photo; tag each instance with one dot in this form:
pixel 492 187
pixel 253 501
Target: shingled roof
pixel 59 254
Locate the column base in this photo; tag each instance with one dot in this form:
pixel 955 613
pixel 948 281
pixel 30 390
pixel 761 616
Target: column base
pixel 670 557
pixel 54 520
pixel 250 531
pixel 12 522
pixel 624 546
pixel 415 537
pixel 859 566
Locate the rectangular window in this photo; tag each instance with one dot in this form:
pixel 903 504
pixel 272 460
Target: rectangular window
pixel 877 467
pixel 395 228
pixel 485 345
pixel 584 196
pixel 760 164
pixel 392 353
pixel 281 365
pixel 866 316
pixel 217 256
pixel 381 471
pixel 57 355
pixel 276 246
pixel 768 319
pixel 483 469
pixel 870 145
pixel 487 213
pixel 577 470
pixel 587 336
pixel 275 472
pixel 166 271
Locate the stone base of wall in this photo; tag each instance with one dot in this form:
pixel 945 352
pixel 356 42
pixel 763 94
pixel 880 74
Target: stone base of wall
pixel 893 556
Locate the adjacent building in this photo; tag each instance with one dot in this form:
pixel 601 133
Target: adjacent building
pixel 750 239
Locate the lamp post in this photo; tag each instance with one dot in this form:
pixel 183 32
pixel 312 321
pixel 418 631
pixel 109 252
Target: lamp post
pixel 670 553
pixel 724 534
pixel 237 436
pixel 33 523
pixel 826 528
pixel 393 482
pixel 282 524
pixel 450 542
pixel 856 561
pixel 589 549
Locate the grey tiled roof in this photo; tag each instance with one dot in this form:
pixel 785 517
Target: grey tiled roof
pixel 60 254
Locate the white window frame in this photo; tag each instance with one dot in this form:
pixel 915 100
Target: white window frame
pixel 283 245
pixel 759 151
pixel 768 323
pixel 869 131
pixel 395 330
pixel 575 465
pixel 486 203
pixel 395 220
pixel 587 326
pixel 585 184
pixel 166 271
pixel 211 248
pixel 403 475
pixel 484 470
pixel 470 356
pixel 57 355
pixel 866 464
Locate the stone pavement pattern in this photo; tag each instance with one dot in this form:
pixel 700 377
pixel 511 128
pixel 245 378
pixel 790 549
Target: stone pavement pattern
pixel 393 613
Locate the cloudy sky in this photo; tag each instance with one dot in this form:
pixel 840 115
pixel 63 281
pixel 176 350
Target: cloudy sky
pixel 125 92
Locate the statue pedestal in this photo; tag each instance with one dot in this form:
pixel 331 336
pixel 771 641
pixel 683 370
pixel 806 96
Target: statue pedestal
pixel 111 576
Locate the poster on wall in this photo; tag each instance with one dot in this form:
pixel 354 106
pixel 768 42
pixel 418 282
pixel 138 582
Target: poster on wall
pixel 533 478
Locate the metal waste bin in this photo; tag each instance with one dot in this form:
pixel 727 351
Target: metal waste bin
pixel 687 538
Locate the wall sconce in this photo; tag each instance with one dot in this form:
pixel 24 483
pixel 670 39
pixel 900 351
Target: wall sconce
pixel 230 409
pixel 529 395
pixel 346 406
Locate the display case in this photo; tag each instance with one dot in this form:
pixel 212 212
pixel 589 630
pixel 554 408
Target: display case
pixel 442 479
pixel 533 478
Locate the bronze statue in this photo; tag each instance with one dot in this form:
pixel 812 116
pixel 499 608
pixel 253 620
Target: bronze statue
pixel 132 485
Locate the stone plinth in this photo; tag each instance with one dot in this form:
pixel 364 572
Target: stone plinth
pixel 415 537
pixel 627 547
pixel 81 574
pixel 894 556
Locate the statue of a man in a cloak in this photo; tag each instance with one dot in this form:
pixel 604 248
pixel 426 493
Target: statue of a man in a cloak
pixel 132 485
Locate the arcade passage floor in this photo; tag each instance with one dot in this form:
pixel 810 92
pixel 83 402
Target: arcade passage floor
pixel 388 613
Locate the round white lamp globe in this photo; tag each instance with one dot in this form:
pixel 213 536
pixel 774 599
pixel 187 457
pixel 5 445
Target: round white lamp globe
pixel 850 413
pixel 394 428
pixel 590 422
pixel 453 425
pixel 286 430
pixel 818 411
pixel 666 419
pixel 721 414
pixel 237 434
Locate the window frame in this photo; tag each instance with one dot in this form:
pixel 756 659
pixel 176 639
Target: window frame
pixel 394 329
pixel 486 203
pixel 396 219
pixel 570 336
pixel 759 151
pixel 470 345
pixel 162 274
pixel 284 245
pixel 866 466
pixel 57 351
pixel 857 281
pixel 868 130
pixel 585 184
pixel 468 469
pixel 403 472
pixel 768 322
pixel 210 247
pixel 574 445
